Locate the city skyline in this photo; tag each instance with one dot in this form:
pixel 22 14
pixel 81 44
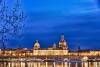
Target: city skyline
pixel 47 20
pixel 49 33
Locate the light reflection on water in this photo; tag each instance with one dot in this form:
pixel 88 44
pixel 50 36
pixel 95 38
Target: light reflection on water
pixel 49 64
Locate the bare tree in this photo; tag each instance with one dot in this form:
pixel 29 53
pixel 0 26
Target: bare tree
pixel 11 22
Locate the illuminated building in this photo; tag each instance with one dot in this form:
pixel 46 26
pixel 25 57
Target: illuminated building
pixel 62 43
pixel 55 56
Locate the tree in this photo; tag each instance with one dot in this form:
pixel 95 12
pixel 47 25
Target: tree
pixel 11 22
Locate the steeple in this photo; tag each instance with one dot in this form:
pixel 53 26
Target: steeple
pixel 63 43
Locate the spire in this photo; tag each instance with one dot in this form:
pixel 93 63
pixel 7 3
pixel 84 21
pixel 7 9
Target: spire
pixel 62 37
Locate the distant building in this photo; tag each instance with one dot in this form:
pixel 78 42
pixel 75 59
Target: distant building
pixel 55 56
pixel 56 50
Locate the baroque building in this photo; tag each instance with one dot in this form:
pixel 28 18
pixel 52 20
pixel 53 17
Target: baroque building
pixel 55 56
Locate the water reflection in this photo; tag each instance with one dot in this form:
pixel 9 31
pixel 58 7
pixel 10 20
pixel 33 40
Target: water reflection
pixel 49 64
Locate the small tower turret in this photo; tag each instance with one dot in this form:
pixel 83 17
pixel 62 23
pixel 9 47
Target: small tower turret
pixel 54 46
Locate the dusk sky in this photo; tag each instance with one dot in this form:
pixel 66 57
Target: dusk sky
pixel 79 20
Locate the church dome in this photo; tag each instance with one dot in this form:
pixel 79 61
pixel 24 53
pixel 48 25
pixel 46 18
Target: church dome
pixel 36 45
pixel 63 43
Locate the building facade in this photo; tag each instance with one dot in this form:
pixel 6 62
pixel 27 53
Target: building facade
pixel 56 56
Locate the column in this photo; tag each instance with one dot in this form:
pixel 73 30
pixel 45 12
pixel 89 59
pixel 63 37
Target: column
pixel 54 64
pixel 86 64
pixel 82 64
pixel 42 64
pixel 89 64
pixel 99 64
pixel 69 65
pixel 12 64
pixel 21 64
pixel 5 64
pixel 62 64
pixel 39 64
pixel 76 64
pixel 9 64
pixel 28 64
pixel 96 65
pixel 31 64
pixel 34 65
pixel 66 65
pixel 46 64
pixel 17 64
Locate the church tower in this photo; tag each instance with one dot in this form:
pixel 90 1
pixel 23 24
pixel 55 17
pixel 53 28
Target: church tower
pixel 36 45
pixel 62 43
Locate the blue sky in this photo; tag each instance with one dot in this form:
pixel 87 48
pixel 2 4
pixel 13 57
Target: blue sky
pixel 47 19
